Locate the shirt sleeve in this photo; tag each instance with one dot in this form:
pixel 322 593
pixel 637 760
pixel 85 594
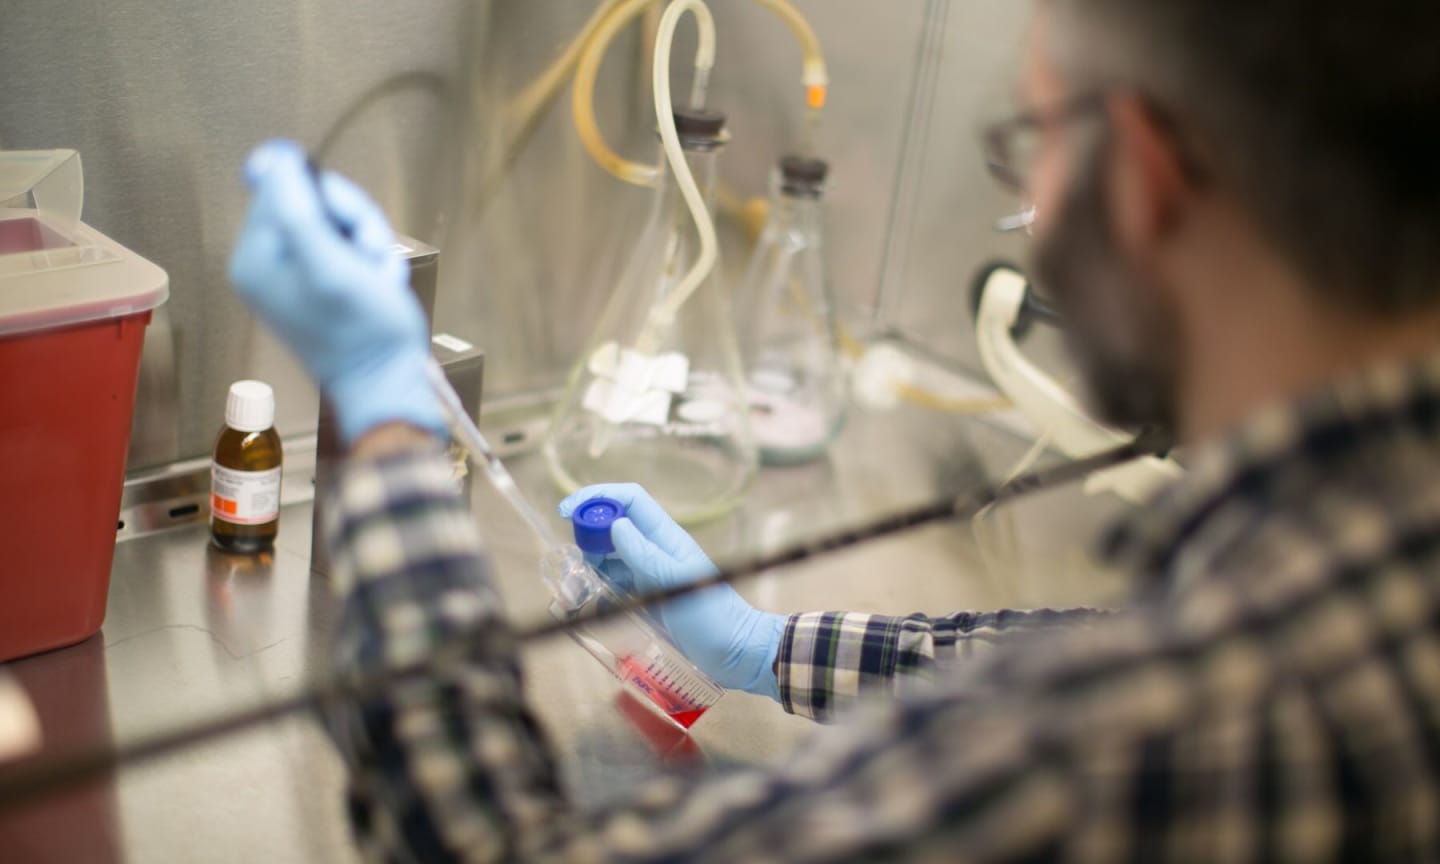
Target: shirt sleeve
pixel 452 765
pixel 827 661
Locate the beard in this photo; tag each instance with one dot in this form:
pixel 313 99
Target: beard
pixel 1116 325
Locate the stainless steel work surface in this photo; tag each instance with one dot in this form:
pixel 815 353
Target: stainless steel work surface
pixel 192 632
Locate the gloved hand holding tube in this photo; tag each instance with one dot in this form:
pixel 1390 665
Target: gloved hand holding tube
pixel 314 262
pixel 719 632
pixel 321 272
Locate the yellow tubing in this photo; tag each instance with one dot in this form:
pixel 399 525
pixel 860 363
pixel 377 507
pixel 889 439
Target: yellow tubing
pixel 915 395
pixel 951 405
pixel 813 75
pixel 585 55
pixel 522 114
pixel 614 17
pixel 542 91
pixel 750 214
pixel 582 101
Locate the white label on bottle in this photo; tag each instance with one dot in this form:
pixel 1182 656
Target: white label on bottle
pixel 244 497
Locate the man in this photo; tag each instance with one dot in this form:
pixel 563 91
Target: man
pixel 1239 212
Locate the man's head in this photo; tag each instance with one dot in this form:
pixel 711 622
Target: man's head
pixel 1194 160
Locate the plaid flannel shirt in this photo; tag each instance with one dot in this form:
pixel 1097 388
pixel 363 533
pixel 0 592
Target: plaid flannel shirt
pixel 829 661
pixel 1273 693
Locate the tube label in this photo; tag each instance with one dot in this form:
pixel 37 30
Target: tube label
pixel 244 497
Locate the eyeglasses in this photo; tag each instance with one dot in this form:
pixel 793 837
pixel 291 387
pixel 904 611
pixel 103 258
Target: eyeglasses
pixel 1011 146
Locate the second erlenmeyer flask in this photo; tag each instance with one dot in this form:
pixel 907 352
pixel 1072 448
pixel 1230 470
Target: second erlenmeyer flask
pixel 657 397
pixel 795 380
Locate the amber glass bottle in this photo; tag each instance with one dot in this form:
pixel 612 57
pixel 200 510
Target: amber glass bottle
pixel 245 473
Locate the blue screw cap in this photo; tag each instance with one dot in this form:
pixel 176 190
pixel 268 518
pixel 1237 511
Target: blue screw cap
pixel 592 521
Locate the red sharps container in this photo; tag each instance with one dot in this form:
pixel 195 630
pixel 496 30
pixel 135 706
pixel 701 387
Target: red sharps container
pixel 74 306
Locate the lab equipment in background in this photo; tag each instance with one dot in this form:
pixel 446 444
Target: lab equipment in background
pixel 74 306
pixel 464 367
pixel 245 472
pixel 588 51
pixel 632 648
pixel 1007 307
pixel 582 59
pixel 657 396
pixel 884 374
pixel 789 343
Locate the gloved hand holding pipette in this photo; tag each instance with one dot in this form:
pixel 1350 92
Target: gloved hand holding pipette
pixel 341 303
pixel 726 637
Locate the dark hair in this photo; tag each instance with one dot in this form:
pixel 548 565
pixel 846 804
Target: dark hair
pixel 1323 116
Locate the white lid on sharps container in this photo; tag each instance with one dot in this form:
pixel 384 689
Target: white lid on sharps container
pixel 250 406
pixel 56 271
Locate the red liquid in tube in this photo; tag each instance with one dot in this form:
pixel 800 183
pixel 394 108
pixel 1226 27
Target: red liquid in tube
pixel 674 704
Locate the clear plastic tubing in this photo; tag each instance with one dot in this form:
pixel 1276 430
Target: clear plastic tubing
pixel 633 648
pixel 480 451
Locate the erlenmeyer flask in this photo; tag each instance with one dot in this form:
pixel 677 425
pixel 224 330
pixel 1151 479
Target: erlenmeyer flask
pixel 658 399
pixel 795 381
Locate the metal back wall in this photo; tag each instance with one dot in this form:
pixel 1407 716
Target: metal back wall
pixel 164 97
pixel 913 82
pixel 533 227
pixel 946 204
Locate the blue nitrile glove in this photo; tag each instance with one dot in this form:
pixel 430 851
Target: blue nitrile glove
pixel 729 640
pixel 343 305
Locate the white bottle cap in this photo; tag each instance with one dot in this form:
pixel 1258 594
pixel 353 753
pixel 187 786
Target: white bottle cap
pixel 250 407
